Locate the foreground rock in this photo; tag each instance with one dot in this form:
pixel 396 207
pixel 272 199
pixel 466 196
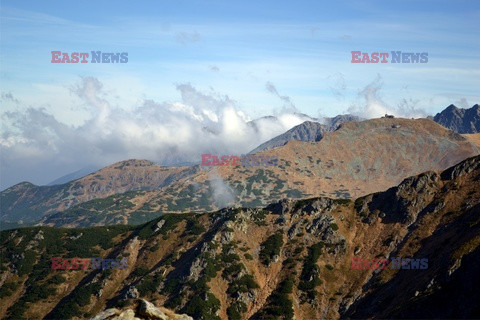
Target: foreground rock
pixel 144 310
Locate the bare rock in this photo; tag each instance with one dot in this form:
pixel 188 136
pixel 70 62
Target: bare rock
pixel 132 292
pixel 148 310
pixel 159 225
pixel 106 314
pixel 128 314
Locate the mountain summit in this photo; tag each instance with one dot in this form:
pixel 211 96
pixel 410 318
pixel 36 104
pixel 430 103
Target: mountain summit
pixel 307 131
pixel 460 120
pixel 356 159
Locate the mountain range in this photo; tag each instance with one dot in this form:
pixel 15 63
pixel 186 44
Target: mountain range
pixel 293 259
pixel 356 159
pixel 360 219
pixel 307 131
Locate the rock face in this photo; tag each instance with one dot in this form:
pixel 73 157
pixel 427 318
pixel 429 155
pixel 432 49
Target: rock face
pixel 106 314
pixel 145 310
pixel 307 131
pixel 405 202
pixel 460 120
pixel 335 122
pixel 356 159
pixel 461 169
pixel 292 258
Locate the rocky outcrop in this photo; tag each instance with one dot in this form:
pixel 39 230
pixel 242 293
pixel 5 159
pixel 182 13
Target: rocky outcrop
pixel 335 122
pixel 307 131
pixel 462 168
pixel 292 257
pixel 402 203
pixel 145 310
pixel 460 120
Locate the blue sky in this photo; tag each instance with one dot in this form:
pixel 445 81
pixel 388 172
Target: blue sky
pixel 258 58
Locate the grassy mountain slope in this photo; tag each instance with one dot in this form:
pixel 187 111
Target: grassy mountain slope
pixel 29 203
pixel 357 159
pixel 292 258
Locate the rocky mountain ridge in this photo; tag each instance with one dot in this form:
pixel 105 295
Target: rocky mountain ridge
pixel 357 159
pixel 307 131
pixel 460 120
pixel 28 203
pixel 291 259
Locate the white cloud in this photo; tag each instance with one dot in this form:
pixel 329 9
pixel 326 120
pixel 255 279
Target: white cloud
pixel 288 105
pixel 8 96
pixel 222 194
pixel 373 106
pixel 337 85
pixel 38 147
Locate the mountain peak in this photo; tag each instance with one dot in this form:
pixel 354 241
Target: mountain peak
pixel 460 120
pixel 306 131
pixel 133 163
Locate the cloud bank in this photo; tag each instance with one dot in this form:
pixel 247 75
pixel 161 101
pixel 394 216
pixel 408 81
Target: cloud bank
pixel 369 104
pixel 37 147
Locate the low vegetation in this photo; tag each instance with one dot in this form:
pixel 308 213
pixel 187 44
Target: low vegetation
pixel 271 248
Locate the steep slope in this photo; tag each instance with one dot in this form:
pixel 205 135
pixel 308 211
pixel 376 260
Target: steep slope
pixel 335 122
pixel 473 138
pixel 292 258
pixel 307 131
pixel 277 120
pixel 460 120
pixel 357 159
pixel 29 203
pixel 444 227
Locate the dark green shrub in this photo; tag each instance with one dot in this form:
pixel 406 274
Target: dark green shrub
pixel 57 279
pixel 244 284
pixel 235 310
pixel 232 270
pixel 271 248
pixel 8 288
pixel 149 284
pixel 279 305
pixel 309 278
pixel 199 308
pixel 154 248
pixel 193 227
pixel 140 271
pixel 248 256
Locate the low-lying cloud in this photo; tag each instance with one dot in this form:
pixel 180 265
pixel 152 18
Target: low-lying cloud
pixel 371 105
pixel 38 147
pixel 288 105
